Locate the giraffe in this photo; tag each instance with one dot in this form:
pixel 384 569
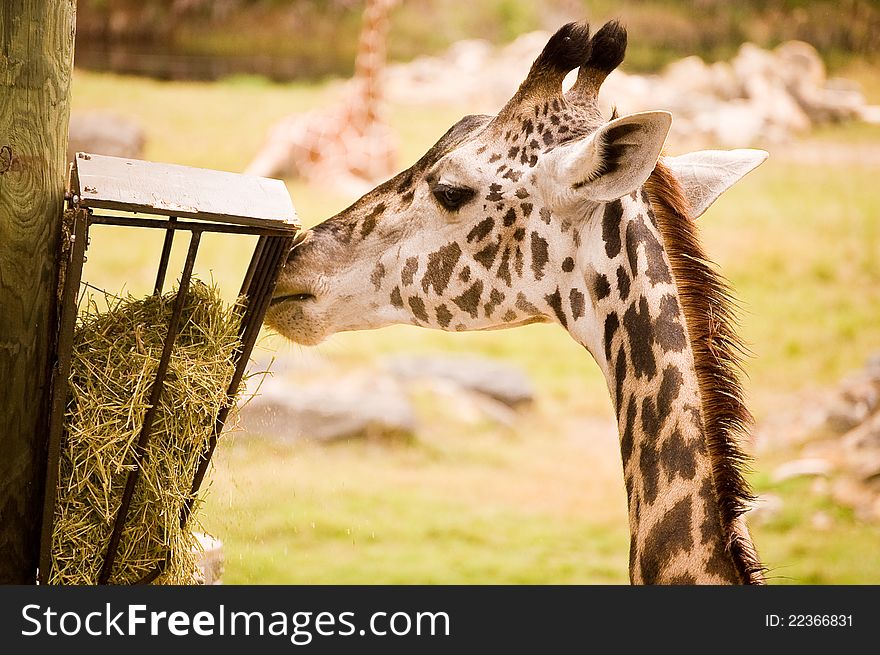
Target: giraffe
pixel 349 145
pixel 549 212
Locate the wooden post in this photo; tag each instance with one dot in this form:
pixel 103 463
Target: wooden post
pixel 36 62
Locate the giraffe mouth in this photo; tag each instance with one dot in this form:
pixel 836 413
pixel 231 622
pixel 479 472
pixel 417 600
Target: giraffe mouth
pixel 291 297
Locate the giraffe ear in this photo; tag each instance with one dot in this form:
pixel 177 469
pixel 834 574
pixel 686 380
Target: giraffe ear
pixel 706 174
pixel 613 161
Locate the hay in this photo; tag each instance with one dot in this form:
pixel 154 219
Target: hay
pixel 115 357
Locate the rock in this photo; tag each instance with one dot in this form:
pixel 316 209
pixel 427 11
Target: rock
pixel 802 71
pixel 105 133
pixel 525 47
pixel 210 561
pixel 754 67
pixel 756 70
pixel 759 96
pixel 732 123
pixel 865 436
pixel 491 378
pixel 800 64
pixel 872 367
pixel 691 81
pixel 363 406
pixel 830 105
pixel 689 75
pixel 857 496
pixel 724 82
pixel 464 406
pixel 765 508
pixel 808 466
pixel 843 417
pixel 798 423
pixel 858 398
pixel 868 470
pixel 843 453
pixel 469 55
pixel 862 391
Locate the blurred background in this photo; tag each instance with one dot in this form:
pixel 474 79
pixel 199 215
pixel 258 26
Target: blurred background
pixel 411 456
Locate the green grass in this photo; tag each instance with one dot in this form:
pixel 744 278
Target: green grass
pixel 432 513
pixel 799 551
pixel 544 501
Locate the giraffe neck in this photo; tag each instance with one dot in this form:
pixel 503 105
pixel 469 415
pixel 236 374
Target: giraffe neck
pixel 370 60
pixel 644 348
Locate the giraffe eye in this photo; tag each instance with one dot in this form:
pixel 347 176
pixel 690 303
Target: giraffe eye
pixel 452 197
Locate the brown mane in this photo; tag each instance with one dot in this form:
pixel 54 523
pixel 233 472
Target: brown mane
pixel 708 308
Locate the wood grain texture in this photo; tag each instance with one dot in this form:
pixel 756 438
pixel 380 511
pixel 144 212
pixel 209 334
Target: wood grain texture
pixel 36 57
pixel 144 186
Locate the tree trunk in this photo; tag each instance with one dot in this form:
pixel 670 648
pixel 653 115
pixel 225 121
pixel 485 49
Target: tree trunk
pixel 36 62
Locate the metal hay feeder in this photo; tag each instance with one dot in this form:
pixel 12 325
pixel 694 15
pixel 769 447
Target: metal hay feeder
pixel 175 199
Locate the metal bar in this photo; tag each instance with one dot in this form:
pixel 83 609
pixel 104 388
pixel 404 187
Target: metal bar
pixel 60 385
pixel 155 395
pixel 249 275
pixel 256 265
pixel 259 296
pixel 282 229
pixel 166 253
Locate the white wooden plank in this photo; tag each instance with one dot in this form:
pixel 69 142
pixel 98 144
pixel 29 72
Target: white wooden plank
pixel 141 186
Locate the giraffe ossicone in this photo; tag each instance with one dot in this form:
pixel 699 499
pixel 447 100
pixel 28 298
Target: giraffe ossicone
pixel 549 212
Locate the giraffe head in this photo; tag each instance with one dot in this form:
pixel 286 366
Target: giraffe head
pixel 500 223
pixel 550 212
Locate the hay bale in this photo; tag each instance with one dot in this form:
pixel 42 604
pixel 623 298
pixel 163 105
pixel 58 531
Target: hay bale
pixel 115 357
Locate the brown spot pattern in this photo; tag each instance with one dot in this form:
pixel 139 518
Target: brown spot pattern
pixel 440 266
